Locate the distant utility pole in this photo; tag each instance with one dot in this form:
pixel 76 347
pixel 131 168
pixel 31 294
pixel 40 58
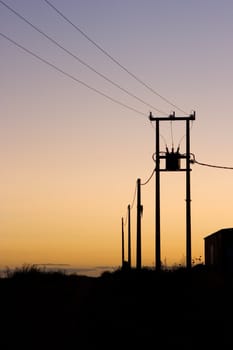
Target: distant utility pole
pixel 139 214
pixel 172 160
pixel 129 237
pixel 122 242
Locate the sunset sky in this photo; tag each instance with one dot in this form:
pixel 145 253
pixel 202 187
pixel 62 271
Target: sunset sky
pixel 75 132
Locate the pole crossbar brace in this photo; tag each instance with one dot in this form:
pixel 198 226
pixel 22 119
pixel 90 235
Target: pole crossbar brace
pixel 172 117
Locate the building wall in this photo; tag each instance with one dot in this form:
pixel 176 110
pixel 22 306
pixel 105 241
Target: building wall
pixel 219 250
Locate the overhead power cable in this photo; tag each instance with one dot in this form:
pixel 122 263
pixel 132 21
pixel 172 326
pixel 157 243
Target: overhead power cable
pixel 131 205
pixel 134 196
pixel 146 182
pixel 179 143
pixel 71 76
pixel 212 166
pixel 112 58
pixel 77 58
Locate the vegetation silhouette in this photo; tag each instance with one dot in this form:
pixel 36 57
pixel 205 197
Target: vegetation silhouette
pixel 44 309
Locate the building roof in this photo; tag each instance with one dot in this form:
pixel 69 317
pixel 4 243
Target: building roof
pixel 222 231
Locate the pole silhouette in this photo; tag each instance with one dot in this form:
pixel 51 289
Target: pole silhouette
pixel 129 237
pixel 188 199
pixel 157 200
pixel 172 160
pixel 139 212
pixel 122 242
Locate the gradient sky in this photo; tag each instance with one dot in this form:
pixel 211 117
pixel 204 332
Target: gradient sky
pixel 71 157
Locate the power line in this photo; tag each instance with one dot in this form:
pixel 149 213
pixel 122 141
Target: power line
pixel 77 58
pixel 193 160
pixel 146 182
pixel 213 166
pixel 134 196
pixel 132 204
pixel 71 76
pixel 179 143
pixel 171 129
pixel 112 58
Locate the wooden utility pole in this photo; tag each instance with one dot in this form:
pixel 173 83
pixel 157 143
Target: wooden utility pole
pixel 157 199
pixel 139 212
pixel 188 199
pixel 122 242
pixel 172 164
pixel 129 237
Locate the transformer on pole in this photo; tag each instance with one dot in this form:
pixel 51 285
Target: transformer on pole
pixel 172 163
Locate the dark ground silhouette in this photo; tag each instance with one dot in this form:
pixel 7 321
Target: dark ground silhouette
pixel 118 310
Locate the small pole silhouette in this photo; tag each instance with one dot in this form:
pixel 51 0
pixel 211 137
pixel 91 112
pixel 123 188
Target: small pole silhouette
pixel 139 213
pixel 122 242
pixel 129 237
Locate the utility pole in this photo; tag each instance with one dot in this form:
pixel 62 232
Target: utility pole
pixel 129 237
pixel 188 199
pixel 122 242
pixel 139 213
pixel 172 164
pixel 157 199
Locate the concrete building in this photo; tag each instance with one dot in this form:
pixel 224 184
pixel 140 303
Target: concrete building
pixel 219 250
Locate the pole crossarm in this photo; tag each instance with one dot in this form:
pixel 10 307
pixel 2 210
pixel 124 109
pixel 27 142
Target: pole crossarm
pixel 172 116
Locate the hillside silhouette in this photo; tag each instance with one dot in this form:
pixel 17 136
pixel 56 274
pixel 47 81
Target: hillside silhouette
pixel 118 310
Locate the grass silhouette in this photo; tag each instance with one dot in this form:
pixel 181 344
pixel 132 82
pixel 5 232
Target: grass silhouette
pixel 53 310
